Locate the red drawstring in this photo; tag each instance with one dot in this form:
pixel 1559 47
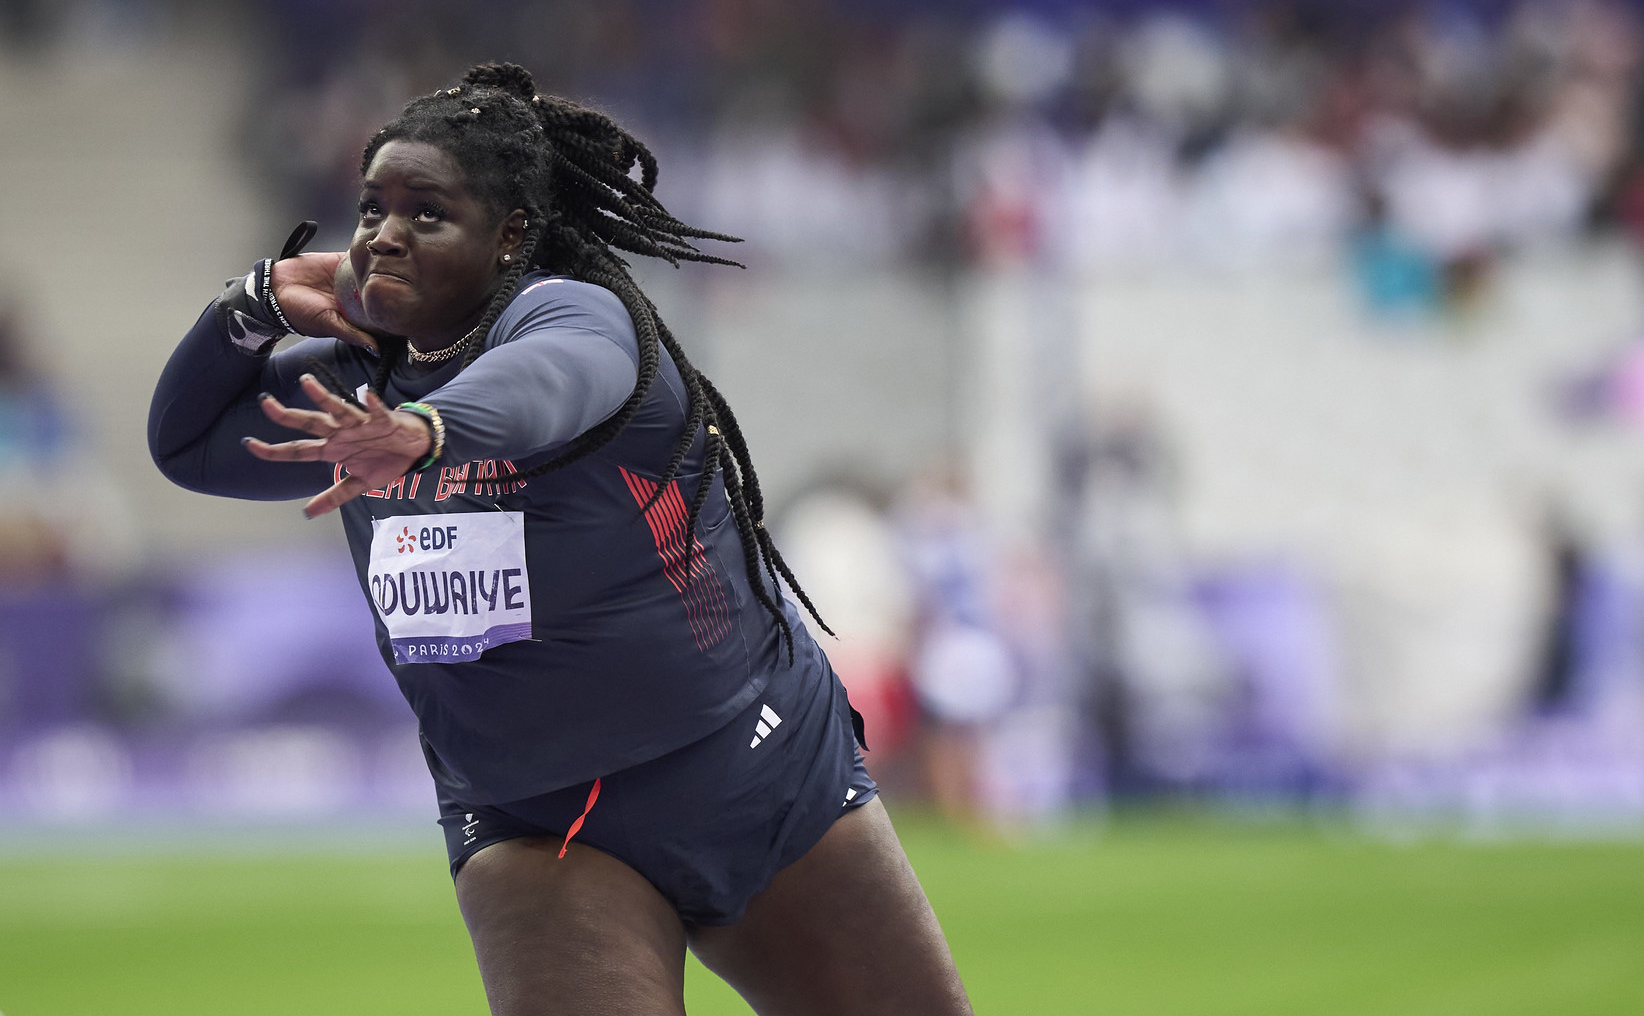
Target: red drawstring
pixel 593 795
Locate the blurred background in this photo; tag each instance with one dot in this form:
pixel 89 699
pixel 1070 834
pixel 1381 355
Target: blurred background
pixel 1232 405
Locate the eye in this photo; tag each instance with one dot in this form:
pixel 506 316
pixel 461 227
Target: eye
pixel 369 208
pixel 430 213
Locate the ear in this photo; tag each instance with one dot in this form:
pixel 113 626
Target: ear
pixel 511 233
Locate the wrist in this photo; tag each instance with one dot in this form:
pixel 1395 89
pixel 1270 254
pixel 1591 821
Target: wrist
pixel 244 315
pixel 430 418
pixel 248 312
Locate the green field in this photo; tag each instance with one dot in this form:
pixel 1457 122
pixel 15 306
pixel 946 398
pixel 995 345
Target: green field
pixel 1140 916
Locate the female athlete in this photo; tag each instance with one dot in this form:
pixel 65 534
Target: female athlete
pixel 636 744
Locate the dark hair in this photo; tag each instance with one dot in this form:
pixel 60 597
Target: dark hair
pixel 569 169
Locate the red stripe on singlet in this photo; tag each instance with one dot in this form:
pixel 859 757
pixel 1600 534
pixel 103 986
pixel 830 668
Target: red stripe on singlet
pixel 692 567
pixel 719 613
pixel 637 486
pixel 669 544
pixel 691 575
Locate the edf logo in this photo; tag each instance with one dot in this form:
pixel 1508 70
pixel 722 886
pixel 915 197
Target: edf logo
pixel 427 538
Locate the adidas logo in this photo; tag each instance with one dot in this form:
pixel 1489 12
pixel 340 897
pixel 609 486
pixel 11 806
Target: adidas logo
pixel 768 722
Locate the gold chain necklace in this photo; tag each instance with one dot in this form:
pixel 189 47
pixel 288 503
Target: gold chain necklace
pixel 442 355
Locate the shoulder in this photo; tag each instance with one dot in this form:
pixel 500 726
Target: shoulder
pixel 538 288
pixel 555 301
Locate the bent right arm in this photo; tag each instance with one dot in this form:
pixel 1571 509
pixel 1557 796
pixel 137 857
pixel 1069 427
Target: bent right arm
pixel 207 400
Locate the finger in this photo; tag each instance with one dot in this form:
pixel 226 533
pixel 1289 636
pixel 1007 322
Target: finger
pixel 287 451
pixel 311 272
pixel 374 404
pixel 306 420
pixel 313 268
pixel 335 496
pixel 328 401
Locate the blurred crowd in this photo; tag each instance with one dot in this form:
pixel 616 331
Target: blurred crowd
pixel 1417 140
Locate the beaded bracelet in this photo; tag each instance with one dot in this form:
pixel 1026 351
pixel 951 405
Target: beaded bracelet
pixel 435 425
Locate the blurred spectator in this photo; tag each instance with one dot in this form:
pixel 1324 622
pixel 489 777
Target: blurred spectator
pixel 961 668
pixel 1154 689
pixel 990 666
pixel 841 541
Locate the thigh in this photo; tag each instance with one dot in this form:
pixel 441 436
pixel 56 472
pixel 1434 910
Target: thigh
pixel 845 929
pixel 579 934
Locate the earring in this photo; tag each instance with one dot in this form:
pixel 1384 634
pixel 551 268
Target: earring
pixel 507 258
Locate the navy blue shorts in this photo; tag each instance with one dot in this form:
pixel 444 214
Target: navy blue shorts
pixel 710 824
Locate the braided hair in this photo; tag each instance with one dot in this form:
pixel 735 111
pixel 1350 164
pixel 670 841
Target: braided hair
pixel 569 169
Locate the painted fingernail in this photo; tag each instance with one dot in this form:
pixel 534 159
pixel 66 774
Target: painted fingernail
pixel 265 396
pixel 245 441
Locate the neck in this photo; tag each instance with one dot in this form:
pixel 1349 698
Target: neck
pixel 460 332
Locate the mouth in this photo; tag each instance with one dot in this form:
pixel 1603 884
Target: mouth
pixel 378 273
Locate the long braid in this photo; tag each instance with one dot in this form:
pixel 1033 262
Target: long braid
pixel 389 349
pixel 738 444
pixel 695 417
pixel 750 544
pixel 505 293
pixel 710 453
pixel 698 409
pixel 570 169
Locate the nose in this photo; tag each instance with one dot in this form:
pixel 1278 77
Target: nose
pixel 389 241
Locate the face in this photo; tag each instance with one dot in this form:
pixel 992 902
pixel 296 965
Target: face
pixel 427 253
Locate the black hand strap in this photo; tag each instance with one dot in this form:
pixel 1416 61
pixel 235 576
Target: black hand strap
pixel 298 239
pixel 247 311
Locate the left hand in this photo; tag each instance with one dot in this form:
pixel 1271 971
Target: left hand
pixel 310 288
pixel 376 445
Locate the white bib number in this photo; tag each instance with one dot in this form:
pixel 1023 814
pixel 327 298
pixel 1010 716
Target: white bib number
pixel 449 587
